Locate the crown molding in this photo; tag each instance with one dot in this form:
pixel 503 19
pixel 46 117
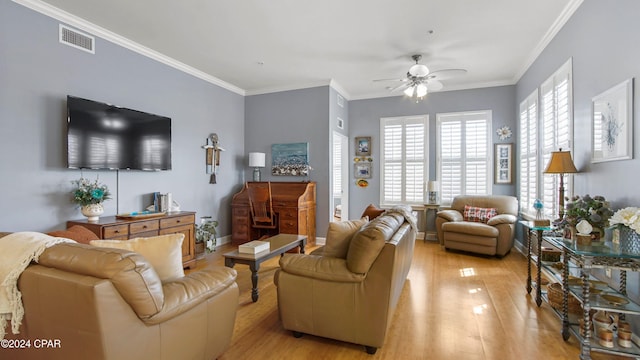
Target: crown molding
pixel 93 29
pixel 555 28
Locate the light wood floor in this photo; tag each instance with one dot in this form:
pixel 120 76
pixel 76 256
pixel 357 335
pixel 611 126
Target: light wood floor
pixel 453 306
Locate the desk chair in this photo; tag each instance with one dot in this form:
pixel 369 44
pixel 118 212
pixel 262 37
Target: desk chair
pixel 262 215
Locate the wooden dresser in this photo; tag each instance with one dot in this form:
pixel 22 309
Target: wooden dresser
pixel 293 202
pixel 110 227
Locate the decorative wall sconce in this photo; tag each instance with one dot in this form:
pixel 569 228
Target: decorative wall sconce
pixel 213 156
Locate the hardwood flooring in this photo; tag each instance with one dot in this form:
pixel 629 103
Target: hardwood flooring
pixel 453 306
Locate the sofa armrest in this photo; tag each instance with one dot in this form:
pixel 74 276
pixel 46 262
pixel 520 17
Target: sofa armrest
pixel 450 215
pixel 319 267
pixel 502 219
pixel 184 293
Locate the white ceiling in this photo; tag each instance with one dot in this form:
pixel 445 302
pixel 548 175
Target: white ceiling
pixel 259 46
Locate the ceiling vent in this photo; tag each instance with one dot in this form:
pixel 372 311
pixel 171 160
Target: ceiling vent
pixel 76 39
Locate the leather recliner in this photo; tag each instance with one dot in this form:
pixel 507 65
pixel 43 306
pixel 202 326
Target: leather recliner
pixel 492 238
pixel 104 303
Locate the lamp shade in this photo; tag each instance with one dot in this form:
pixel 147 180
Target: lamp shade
pixel 560 163
pixel 432 185
pixel 256 159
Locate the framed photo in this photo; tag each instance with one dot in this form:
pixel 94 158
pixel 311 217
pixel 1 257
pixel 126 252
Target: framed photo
pixel 362 170
pixel 363 145
pixel 504 164
pixel 612 124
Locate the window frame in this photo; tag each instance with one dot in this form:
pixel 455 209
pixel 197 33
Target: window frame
pixel 403 120
pixel 463 117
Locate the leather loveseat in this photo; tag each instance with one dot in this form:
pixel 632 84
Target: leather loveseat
pixel 492 236
pixel 349 298
pixel 103 303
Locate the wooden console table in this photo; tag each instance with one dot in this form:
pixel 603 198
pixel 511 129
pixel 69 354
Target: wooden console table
pixel 293 202
pixel 110 227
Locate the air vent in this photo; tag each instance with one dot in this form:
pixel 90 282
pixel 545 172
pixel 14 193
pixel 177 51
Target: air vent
pixel 77 39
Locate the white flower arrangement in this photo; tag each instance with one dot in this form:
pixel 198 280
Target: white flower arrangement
pixel 504 132
pixel 629 216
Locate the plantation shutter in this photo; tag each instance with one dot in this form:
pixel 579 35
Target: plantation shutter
pixel 337 167
pixel 528 153
pixel 404 160
pixel 556 131
pixel 463 154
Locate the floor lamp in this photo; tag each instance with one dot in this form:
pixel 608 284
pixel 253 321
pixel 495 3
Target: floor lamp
pixel 561 163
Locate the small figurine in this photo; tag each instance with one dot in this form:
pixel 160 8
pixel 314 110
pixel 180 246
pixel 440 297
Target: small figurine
pixel 540 220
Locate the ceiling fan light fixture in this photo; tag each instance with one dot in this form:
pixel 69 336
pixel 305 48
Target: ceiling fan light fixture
pixel 409 91
pixel 419 70
pixel 421 90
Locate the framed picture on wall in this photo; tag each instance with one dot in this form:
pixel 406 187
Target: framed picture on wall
pixel 503 158
pixel 612 124
pixel 363 145
pixel 362 170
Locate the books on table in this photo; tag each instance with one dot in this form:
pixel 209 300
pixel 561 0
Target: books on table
pixel 253 247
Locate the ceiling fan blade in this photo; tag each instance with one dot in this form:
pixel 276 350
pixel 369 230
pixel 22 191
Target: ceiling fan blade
pixel 399 87
pixel 396 79
pixel 446 74
pixel 434 85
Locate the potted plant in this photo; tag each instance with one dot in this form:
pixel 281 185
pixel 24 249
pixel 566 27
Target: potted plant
pixel 89 196
pixel 595 210
pixel 626 230
pixel 206 235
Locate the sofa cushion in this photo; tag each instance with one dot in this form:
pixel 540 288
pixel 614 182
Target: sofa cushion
pixel 372 212
pixel 367 243
pixel 163 252
pixel 478 214
pixel 339 237
pixel 78 233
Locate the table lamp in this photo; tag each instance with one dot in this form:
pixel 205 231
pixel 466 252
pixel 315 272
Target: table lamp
pixel 432 188
pixel 256 161
pixel 561 163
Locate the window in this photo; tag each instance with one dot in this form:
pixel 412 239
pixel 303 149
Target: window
pixel 529 153
pixel 404 159
pixel 464 154
pixel 545 126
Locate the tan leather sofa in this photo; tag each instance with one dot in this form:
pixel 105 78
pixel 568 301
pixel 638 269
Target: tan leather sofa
pixel 101 303
pixel 493 238
pixel 322 296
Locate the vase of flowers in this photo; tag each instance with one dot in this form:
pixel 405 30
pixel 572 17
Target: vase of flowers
pixel 206 234
pixel 89 195
pixel 595 210
pixel 626 230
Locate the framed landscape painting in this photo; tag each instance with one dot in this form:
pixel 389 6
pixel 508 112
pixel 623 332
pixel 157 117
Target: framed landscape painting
pixel 290 159
pixel 363 145
pixel 612 124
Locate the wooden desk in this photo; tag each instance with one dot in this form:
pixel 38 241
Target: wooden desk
pixel 295 204
pixel 110 227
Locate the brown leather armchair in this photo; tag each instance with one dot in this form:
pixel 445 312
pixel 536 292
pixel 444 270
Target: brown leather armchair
pixel 103 303
pixel 495 237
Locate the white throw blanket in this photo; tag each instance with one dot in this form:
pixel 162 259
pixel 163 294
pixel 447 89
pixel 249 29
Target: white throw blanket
pixel 17 250
pixel 405 211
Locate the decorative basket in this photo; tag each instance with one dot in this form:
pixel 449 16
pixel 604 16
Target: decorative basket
pixel 554 293
pixel 625 240
pixel 550 254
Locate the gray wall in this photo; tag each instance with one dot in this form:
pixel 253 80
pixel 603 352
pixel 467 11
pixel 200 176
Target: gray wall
pixel 289 117
pixel 602 40
pixel 364 117
pixel 37 73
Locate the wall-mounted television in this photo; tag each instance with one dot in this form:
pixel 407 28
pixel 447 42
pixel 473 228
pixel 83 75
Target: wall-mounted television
pixel 104 136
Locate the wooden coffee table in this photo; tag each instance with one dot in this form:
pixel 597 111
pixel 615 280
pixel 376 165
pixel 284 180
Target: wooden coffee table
pixel 279 244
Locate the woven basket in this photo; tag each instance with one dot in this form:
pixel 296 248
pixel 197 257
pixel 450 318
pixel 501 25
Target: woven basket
pixel 554 292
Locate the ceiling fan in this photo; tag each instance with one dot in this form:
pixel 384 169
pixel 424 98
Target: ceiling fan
pixel 419 80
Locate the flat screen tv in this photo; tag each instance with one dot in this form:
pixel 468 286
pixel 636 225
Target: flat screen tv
pixel 103 136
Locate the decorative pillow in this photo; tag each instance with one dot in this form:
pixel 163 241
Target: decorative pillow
pixel 339 236
pixel 478 214
pixel 163 252
pixel 372 212
pixel 78 233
